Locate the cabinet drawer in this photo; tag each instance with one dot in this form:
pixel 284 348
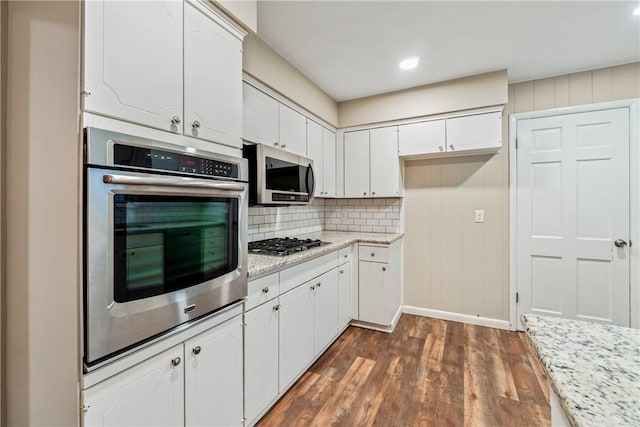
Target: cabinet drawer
pixel 373 253
pixel 298 274
pixel 262 290
pixel 344 255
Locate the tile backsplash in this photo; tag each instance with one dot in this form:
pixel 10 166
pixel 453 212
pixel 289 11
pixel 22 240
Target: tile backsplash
pixel 364 215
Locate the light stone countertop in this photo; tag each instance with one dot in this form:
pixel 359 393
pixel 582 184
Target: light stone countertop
pixel 260 265
pixel 594 369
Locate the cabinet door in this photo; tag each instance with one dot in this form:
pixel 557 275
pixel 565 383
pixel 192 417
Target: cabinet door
pixel 296 333
pixel 421 138
pixel 261 358
pixel 474 132
pixel 314 152
pixel 293 131
pixel 385 164
pixel 344 295
pixel 213 376
pixel 133 61
pixel 213 79
pixel 356 164
pixel 325 310
pixel 374 293
pixel 150 393
pixel 329 159
pixel 260 113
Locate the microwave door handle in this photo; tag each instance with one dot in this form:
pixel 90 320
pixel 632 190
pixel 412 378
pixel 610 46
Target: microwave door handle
pixel 171 182
pixel 313 181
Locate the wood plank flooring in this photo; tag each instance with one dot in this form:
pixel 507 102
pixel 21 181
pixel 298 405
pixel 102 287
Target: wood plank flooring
pixel 428 372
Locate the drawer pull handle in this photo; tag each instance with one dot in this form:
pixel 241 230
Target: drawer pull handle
pixel 176 361
pixel 196 350
pixel 265 290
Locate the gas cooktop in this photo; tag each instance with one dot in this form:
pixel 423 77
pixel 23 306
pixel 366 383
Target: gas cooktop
pixel 283 246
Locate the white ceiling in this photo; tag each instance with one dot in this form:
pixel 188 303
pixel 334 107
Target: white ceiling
pixel 351 49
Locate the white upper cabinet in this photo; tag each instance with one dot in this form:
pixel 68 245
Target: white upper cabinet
pixel 421 138
pixel 329 162
pixel 212 80
pixel 135 54
pixel 133 61
pixel 261 113
pixel 480 131
pixel 293 131
pixel 315 152
pixel 384 161
pixel 356 164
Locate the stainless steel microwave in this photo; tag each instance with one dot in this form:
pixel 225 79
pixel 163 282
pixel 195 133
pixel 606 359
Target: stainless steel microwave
pixel 277 177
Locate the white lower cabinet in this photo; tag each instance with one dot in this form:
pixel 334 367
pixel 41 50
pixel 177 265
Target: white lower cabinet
pixel 150 393
pixel 344 295
pixel 325 310
pixel 213 376
pixel 379 283
pixel 176 387
pixel 261 358
pixel 296 333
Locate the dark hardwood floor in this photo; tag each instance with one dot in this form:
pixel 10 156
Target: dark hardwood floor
pixel 428 372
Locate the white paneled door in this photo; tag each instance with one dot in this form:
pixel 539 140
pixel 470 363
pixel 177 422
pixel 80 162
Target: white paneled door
pixel 573 216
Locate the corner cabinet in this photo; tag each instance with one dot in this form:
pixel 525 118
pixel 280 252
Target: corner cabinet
pixel 198 382
pixel 471 134
pixel 371 163
pixel 175 66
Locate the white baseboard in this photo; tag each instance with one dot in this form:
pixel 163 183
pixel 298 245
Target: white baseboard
pixel 457 317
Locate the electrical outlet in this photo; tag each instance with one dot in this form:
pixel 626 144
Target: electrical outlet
pixel 479 215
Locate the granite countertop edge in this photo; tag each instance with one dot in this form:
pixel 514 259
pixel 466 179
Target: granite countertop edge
pixel 262 265
pixel 562 378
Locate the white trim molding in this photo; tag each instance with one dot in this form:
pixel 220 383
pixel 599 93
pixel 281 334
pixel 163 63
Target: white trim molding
pixel 457 317
pixel 633 105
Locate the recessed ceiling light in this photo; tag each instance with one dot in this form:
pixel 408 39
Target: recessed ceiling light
pixel 409 63
pixel 637 11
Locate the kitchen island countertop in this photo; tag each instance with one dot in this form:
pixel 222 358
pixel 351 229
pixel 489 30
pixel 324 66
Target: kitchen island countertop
pixel 594 369
pixel 260 265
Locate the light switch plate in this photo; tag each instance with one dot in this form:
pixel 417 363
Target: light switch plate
pixel 479 215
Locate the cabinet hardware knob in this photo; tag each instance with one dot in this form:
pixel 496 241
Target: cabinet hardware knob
pixel 384 268
pixel 175 120
pixel 346 256
pixel 176 361
pixel 284 145
pixel 441 148
pixel 276 307
pixel 276 144
pixel 196 124
pixel 341 271
pixel 313 287
pixel 620 243
pixel 373 254
pixel 197 349
pixel 364 194
pixel 318 284
pixel 265 290
pixel 451 146
pixel 373 192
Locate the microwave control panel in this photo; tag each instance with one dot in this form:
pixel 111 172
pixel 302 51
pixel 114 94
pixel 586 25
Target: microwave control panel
pixel 148 158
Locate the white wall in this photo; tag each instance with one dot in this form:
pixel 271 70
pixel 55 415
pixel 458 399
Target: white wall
pixel 43 214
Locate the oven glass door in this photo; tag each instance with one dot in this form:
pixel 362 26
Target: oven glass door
pixel 167 243
pixel 285 176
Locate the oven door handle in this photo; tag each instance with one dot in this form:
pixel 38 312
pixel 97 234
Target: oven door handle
pixel 171 182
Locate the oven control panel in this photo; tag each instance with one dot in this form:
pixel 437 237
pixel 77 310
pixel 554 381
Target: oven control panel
pixel 127 155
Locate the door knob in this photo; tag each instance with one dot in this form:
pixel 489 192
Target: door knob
pixel 620 243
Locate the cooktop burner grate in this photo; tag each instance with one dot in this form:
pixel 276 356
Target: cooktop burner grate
pixel 283 246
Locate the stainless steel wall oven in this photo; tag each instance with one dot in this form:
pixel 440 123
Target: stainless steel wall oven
pixel 165 239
